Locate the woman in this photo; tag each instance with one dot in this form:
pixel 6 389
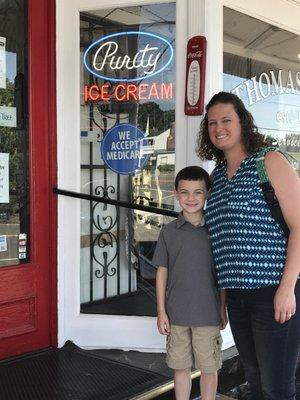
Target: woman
pixel 255 263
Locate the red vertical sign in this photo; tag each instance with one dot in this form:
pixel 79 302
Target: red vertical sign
pixel 195 76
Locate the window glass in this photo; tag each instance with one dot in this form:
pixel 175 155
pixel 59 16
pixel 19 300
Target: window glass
pixel 262 66
pixel 127 111
pixel 14 206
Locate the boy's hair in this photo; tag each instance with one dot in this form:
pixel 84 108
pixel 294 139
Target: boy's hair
pixel 193 173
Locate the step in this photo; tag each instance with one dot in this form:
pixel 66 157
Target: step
pixel 218 397
pixel 169 387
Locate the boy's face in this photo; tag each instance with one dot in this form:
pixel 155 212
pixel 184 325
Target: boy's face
pixel 191 195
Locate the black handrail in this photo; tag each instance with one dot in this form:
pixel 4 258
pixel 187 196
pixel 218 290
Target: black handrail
pixel 118 203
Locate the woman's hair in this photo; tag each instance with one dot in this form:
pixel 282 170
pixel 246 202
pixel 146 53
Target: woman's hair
pixel 251 138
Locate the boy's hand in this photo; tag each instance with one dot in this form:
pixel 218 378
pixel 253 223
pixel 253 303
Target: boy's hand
pixel 223 317
pixel 163 323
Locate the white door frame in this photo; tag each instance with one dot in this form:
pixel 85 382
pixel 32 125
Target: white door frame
pixel 109 331
pixel 283 13
pixel 194 17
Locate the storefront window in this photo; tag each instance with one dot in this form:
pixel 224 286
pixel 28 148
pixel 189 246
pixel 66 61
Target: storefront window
pixel 262 66
pixel 127 113
pixel 14 214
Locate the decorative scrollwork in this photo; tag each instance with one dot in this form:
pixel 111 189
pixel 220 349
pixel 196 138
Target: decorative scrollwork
pixel 102 240
pixel 105 191
pixel 105 238
pixel 101 222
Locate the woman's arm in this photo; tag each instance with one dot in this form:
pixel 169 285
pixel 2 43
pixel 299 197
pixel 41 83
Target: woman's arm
pixel 223 311
pixel 161 287
pixel 286 184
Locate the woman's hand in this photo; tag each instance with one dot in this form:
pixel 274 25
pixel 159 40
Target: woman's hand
pixel 284 304
pixel 223 317
pixel 223 309
pixel 163 323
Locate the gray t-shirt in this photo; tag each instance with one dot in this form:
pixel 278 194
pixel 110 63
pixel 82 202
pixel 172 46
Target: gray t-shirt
pixel 192 298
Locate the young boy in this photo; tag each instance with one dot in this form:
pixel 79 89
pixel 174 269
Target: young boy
pixel 189 310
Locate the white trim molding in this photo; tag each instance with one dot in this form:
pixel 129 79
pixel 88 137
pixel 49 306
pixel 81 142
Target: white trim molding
pixel 283 13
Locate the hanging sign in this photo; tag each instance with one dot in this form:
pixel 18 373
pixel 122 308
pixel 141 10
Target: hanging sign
pixel 195 76
pixel 124 149
pixel 2 63
pixel 107 61
pixel 4 178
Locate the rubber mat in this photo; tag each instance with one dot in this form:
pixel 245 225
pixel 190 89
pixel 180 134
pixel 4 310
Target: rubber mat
pixel 71 373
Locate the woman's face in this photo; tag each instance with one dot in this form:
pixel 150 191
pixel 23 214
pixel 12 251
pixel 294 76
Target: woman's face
pixel 224 127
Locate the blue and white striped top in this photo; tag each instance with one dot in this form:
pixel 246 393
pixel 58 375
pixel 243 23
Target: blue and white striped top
pixel 248 245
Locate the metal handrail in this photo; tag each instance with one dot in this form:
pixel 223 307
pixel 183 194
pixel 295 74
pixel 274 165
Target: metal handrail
pixel 118 203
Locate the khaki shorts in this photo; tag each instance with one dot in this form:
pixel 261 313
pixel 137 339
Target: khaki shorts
pixel 199 346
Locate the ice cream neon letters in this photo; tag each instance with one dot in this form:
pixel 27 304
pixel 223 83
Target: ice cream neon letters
pixel 127 92
pixel 154 54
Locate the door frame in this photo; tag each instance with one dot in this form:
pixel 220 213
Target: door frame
pixel 93 330
pixel 41 22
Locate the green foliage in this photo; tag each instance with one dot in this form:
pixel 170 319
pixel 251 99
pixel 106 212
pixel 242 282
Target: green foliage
pixel 159 120
pixel 166 168
pixel 7 95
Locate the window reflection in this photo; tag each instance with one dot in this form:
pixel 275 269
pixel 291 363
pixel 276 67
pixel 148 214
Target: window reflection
pixel 261 65
pixel 14 206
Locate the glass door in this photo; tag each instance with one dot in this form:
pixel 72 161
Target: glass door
pixel 127 142
pixel 117 88
pixel 14 196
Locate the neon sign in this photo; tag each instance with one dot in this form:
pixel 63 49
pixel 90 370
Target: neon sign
pixel 148 61
pixel 126 92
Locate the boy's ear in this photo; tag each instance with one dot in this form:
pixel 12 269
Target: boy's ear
pixel 175 194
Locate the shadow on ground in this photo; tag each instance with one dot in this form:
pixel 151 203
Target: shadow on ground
pixel 242 392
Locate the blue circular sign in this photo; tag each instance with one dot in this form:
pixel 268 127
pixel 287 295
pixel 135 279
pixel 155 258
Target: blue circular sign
pixel 124 149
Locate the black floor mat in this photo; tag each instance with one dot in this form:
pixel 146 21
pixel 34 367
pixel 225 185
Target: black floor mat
pixel 71 373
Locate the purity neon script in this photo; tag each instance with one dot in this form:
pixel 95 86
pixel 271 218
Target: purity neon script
pixel 147 62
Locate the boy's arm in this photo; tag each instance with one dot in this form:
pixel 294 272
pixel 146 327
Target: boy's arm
pixel 163 323
pixel 223 312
